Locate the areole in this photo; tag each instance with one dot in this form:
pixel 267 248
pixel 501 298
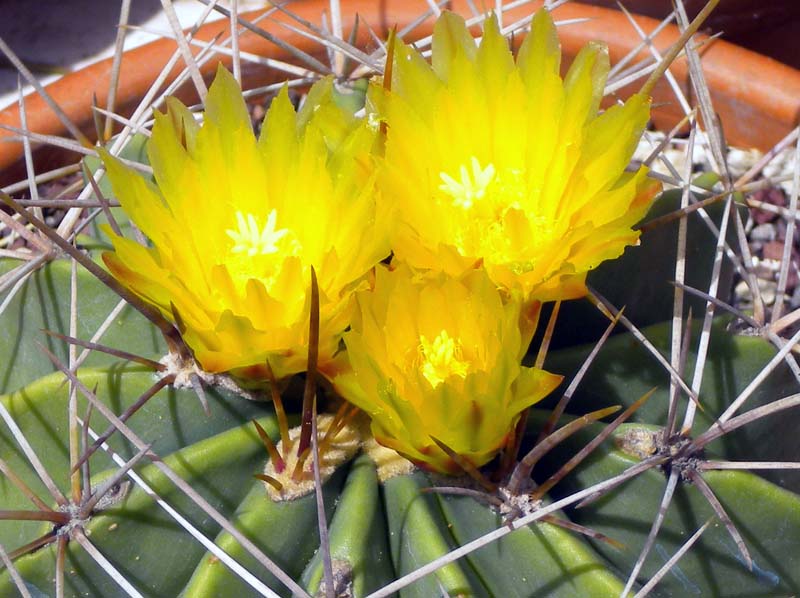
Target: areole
pixel 757 98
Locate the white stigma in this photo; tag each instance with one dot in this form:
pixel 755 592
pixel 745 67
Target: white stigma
pixel 471 187
pixel 251 239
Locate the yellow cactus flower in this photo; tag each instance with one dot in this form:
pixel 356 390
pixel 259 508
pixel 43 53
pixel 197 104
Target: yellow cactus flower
pixel 236 223
pixel 439 357
pixel 496 160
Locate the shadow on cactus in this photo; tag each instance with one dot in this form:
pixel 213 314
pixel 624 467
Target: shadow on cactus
pixel 393 262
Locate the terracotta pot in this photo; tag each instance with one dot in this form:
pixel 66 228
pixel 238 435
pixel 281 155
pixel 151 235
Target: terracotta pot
pixel 758 99
pixel 731 17
pixel 771 28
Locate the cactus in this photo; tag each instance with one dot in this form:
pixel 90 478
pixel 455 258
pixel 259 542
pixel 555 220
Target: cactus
pixel 175 502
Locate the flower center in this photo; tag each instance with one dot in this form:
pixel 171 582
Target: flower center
pixel 471 187
pixel 251 239
pixel 441 358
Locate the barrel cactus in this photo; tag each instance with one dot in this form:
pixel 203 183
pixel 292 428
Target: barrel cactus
pixel 420 343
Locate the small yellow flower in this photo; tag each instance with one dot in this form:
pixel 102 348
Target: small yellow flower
pixel 498 161
pixel 236 224
pixel 439 357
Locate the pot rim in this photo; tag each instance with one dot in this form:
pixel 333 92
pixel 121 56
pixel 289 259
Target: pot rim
pixel 756 97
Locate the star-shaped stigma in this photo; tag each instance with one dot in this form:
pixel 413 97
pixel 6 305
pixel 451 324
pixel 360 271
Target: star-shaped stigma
pixel 253 240
pixel 471 186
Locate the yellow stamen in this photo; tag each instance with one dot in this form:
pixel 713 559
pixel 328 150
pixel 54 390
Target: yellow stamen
pixel 441 358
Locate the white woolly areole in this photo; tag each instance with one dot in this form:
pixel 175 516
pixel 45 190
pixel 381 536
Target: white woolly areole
pixel 352 438
pixel 517 505
pixel 183 369
pixel 334 453
pixel 388 461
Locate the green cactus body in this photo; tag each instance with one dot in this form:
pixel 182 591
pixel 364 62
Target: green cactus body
pixel 381 530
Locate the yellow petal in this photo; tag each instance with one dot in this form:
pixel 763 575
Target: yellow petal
pixel 452 44
pixel 498 162
pixel 237 223
pixel 224 105
pixel 438 357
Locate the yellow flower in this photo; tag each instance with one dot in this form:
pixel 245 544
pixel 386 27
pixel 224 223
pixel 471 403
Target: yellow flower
pixel 439 357
pixel 236 224
pixel 498 161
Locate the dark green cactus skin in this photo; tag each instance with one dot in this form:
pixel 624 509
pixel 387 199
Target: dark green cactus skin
pixel 385 530
pixel 765 514
pixel 640 278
